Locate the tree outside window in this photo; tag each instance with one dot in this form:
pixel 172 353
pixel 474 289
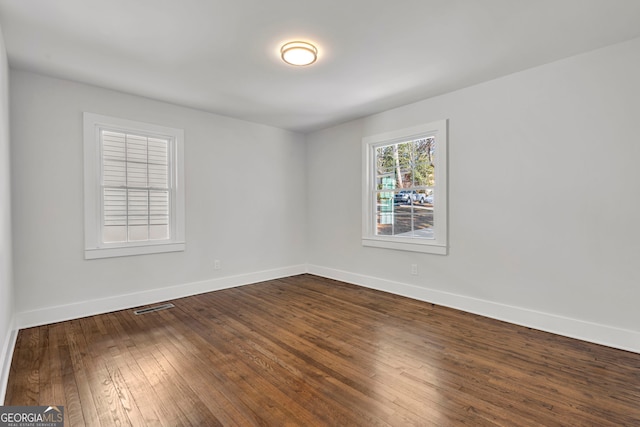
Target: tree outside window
pixel 405 189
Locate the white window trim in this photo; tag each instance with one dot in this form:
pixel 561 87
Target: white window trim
pixel 439 245
pixel 94 248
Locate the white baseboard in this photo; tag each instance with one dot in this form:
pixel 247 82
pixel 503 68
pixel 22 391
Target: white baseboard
pixel 586 331
pixel 5 360
pixel 77 310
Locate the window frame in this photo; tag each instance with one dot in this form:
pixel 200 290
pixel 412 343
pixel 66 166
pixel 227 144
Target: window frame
pixel 438 245
pixel 93 200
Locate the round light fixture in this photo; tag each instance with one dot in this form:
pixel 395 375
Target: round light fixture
pixel 299 53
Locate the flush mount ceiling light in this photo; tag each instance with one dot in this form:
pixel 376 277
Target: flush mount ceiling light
pixel 299 53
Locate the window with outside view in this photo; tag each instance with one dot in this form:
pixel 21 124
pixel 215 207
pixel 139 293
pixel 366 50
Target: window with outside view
pixel 404 195
pixel 405 191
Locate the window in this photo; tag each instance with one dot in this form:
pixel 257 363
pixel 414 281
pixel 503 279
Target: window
pixel 134 187
pixel 405 189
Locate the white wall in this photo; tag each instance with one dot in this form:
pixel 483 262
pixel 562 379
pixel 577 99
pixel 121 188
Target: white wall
pixel 6 280
pixel 244 183
pixel 544 199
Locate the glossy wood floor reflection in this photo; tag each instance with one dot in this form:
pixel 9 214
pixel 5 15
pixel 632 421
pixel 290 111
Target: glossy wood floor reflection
pixel 308 351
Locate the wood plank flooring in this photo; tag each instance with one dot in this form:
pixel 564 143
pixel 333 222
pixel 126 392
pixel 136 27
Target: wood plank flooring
pixel 308 351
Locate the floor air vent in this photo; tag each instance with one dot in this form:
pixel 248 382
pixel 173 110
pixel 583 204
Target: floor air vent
pixel 152 309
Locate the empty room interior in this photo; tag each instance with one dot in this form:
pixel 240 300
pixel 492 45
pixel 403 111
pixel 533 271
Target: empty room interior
pixel 321 213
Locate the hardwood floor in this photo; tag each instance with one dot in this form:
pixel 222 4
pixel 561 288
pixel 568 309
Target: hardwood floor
pixel 310 351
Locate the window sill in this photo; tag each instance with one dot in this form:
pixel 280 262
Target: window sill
pixel 119 251
pixel 405 245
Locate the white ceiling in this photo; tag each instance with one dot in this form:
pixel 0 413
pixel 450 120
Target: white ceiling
pixel 222 56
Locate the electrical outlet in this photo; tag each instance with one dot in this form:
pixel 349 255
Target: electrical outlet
pixel 216 264
pixel 414 269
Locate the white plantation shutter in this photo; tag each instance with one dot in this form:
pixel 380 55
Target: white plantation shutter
pixel 134 187
pixel 135 180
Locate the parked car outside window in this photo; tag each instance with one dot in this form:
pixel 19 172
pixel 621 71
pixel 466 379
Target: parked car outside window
pixel 409 196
